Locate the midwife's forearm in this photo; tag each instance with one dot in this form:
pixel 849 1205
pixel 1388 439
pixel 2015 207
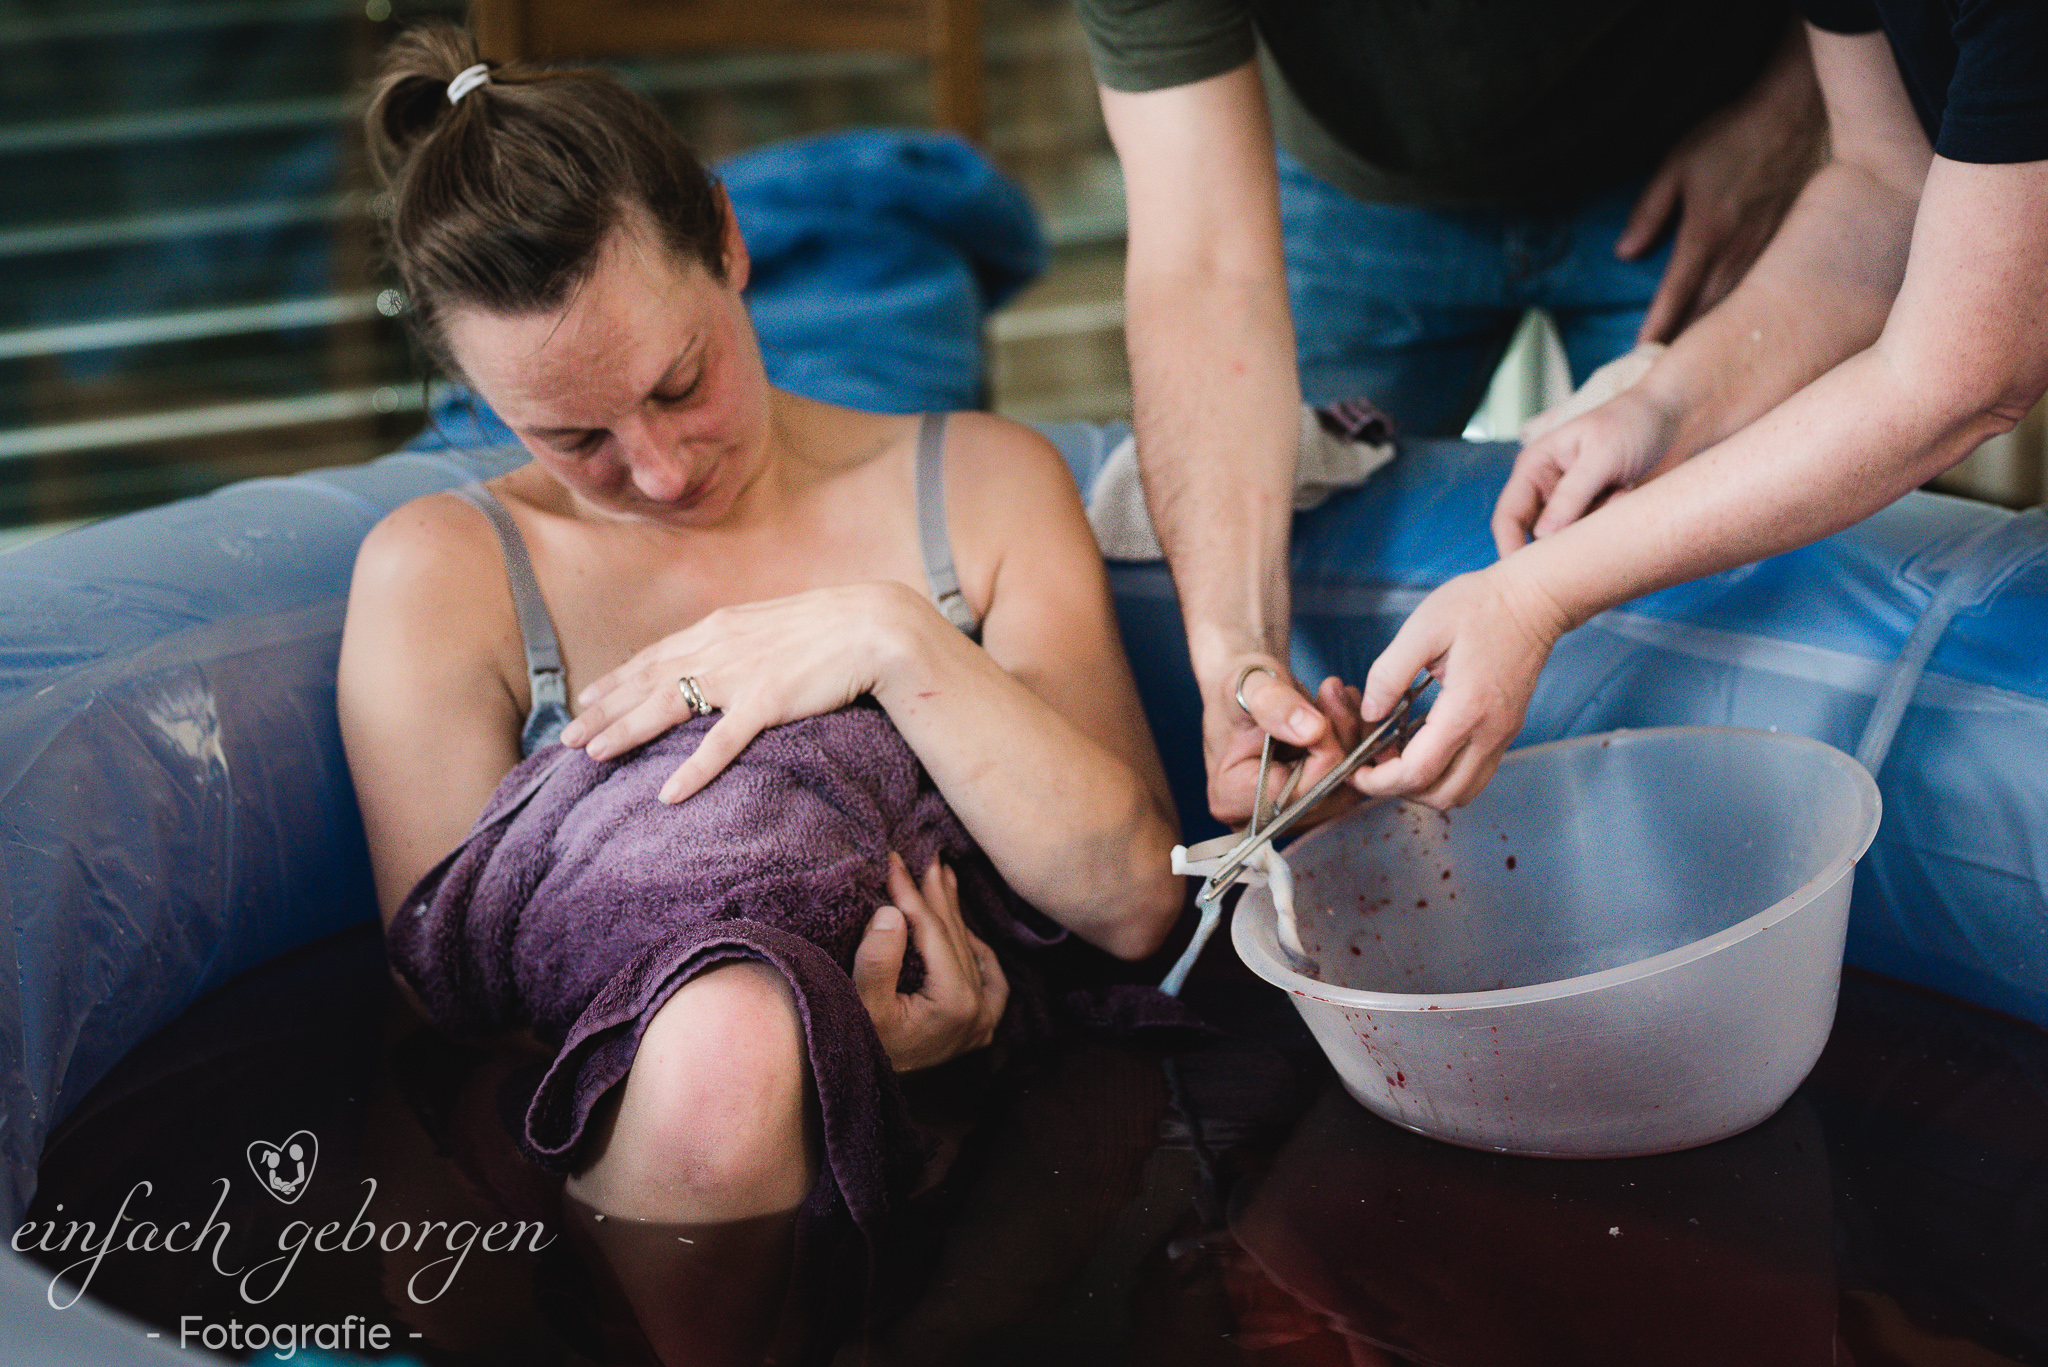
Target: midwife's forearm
pixel 1818 294
pixel 1845 446
pixel 1960 359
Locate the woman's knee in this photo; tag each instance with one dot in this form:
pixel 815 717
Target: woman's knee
pixel 711 1122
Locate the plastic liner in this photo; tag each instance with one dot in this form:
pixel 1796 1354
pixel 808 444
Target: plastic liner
pixel 174 803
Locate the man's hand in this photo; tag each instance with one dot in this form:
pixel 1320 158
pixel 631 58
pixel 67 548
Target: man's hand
pixel 1326 727
pixel 1215 400
pixel 1730 181
pixel 964 992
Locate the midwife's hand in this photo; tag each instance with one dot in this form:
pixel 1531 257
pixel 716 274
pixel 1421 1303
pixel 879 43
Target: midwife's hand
pixel 964 991
pixel 760 664
pixel 1485 637
pixel 1731 181
pixel 1561 476
pixel 1232 736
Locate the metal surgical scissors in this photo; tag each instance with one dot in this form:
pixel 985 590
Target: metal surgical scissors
pixel 1395 729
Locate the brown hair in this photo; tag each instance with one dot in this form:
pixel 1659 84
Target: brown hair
pixel 502 200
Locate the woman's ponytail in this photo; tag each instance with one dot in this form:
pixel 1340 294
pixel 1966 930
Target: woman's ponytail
pixel 410 98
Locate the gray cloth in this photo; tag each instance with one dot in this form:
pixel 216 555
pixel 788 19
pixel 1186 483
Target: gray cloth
pixel 547 688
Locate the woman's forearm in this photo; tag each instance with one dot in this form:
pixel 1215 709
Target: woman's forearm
pixel 1819 294
pixel 1963 355
pixel 1844 447
pixel 1071 826
pixel 1823 288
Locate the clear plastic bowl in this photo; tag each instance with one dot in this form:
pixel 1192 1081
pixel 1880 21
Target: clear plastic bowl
pixel 1628 944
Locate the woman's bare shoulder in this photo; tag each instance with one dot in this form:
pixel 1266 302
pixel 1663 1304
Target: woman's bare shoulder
pixel 432 573
pixel 425 687
pixel 995 461
pixel 428 541
pixel 431 630
pixel 1018 526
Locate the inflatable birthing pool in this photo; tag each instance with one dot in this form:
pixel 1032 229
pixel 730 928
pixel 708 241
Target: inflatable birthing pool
pixel 175 808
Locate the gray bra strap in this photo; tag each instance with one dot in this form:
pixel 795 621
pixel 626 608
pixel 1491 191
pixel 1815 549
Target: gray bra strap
pixel 931 526
pixel 548 713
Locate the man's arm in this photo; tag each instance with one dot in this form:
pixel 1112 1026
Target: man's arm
pixel 1216 398
pixel 1820 293
pixel 1962 355
pixel 1730 181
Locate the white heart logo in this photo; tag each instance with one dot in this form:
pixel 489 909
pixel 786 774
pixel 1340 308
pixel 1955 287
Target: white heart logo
pixel 284 1169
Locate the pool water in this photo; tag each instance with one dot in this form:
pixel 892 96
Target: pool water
pixel 1100 1205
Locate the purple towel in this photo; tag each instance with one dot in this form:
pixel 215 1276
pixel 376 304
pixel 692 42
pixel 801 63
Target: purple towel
pixel 579 903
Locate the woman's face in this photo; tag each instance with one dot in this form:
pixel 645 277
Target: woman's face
pixel 643 394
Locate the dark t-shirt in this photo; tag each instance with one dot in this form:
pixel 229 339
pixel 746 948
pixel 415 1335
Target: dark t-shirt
pixel 1520 103
pixel 1976 70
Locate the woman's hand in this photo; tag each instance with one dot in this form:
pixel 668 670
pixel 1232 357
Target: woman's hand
pixel 1485 636
pixel 760 664
pixel 1558 478
pixel 964 992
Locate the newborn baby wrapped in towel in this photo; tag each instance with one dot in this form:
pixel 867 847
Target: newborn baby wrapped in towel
pixel 579 903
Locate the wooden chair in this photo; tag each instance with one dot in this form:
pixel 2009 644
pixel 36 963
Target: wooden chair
pixel 947 33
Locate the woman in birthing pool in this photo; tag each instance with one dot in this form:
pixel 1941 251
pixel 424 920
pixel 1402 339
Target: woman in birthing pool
pixel 694 567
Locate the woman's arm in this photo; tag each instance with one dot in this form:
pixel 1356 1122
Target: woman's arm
pixel 427 716
pixel 431 724
pixel 1036 737
pixel 1040 731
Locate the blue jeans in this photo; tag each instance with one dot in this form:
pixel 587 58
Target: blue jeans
pixel 1413 307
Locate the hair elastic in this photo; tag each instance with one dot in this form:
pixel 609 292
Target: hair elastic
pixel 469 79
